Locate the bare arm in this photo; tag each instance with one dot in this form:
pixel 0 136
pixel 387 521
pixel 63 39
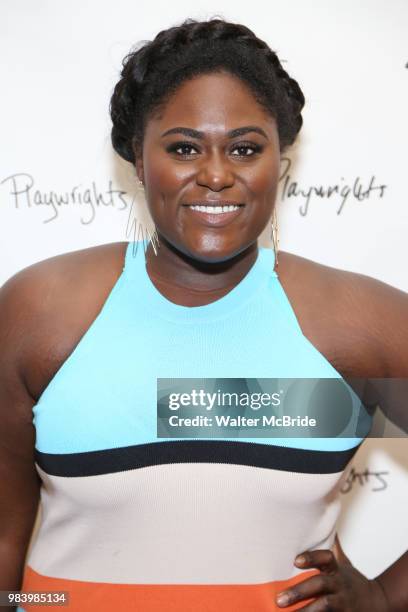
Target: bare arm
pixel 389 327
pixel 19 481
pixel 376 317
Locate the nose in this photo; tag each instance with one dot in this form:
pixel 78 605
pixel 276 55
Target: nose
pixel 215 173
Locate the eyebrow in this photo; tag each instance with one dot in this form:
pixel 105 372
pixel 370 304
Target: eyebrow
pixel 200 135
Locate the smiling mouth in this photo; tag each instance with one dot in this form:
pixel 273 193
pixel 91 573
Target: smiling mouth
pixel 218 214
pixel 216 208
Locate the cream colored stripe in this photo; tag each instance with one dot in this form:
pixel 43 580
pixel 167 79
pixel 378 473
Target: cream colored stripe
pixel 186 523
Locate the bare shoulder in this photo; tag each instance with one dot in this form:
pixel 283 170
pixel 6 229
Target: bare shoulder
pixel 47 307
pixel 359 321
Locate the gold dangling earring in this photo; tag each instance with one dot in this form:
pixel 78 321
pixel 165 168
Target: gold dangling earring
pixel 275 235
pixel 154 238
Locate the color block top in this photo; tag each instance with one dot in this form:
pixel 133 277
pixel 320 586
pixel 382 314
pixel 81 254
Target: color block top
pixel 132 521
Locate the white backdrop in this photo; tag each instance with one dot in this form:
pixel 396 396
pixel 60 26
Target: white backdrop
pixel 342 198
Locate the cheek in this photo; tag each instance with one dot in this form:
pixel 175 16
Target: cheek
pixel 263 179
pixel 163 175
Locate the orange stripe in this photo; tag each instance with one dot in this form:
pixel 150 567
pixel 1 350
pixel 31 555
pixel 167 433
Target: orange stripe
pixel 107 597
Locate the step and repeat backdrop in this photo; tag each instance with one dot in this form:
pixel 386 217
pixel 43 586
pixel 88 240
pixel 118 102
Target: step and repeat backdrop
pixel 342 199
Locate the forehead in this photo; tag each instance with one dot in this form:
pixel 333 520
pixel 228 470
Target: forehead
pixel 211 102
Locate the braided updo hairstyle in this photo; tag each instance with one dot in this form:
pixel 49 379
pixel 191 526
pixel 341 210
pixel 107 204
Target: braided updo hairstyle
pixel 153 72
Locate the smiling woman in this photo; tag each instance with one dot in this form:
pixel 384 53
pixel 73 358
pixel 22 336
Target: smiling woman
pixel 132 518
pixel 212 167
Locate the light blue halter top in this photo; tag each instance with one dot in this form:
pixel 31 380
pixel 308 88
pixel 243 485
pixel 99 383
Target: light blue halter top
pixel 105 395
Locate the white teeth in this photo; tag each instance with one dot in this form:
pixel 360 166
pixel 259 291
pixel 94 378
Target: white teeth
pixel 214 209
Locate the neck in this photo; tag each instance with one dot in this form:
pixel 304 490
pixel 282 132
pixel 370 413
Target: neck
pixel 189 273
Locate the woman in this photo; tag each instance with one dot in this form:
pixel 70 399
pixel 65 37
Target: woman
pixel 133 521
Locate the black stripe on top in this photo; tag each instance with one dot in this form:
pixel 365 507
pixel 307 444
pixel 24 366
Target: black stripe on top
pixel 93 463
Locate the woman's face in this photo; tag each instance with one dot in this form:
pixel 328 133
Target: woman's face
pixel 193 154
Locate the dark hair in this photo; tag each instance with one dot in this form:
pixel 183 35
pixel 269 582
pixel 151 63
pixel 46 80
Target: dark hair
pixel 153 72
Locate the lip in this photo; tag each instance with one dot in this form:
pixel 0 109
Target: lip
pixel 215 219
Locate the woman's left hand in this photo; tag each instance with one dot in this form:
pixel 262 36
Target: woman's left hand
pixel 340 587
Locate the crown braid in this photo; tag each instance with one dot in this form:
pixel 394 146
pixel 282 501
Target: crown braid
pixel 151 72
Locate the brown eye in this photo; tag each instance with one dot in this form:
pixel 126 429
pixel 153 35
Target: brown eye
pixel 243 149
pixel 182 148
